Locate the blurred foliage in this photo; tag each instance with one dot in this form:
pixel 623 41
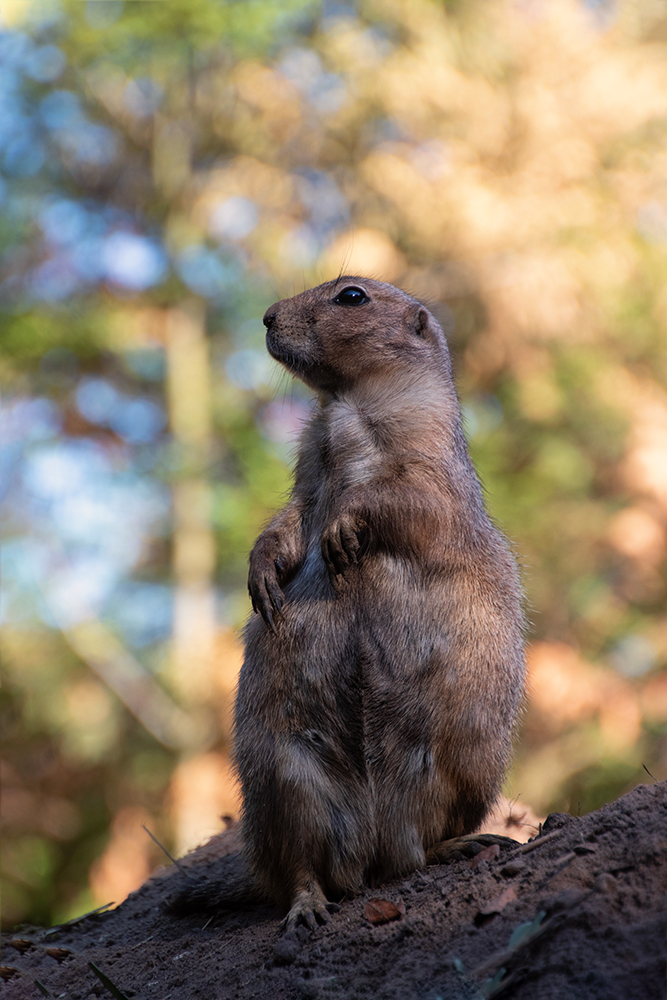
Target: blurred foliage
pixel 166 172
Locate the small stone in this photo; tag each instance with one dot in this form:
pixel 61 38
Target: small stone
pixel 513 868
pixel 605 883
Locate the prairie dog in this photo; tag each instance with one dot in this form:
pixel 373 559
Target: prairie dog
pixel 384 663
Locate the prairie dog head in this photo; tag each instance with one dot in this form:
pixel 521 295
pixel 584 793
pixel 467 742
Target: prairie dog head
pixel 353 329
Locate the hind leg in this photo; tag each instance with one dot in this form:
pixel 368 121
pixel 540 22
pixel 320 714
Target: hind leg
pixel 442 787
pixel 465 847
pixel 303 824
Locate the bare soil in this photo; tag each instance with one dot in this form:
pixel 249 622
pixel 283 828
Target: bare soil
pixel 578 912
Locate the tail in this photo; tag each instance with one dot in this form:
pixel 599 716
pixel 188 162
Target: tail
pixel 223 883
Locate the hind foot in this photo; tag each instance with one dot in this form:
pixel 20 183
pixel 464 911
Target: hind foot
pixel 465 847
pixel 310 907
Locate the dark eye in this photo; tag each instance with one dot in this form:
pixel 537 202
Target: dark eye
pixel 351 296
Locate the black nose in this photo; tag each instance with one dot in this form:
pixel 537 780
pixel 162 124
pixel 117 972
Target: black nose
pixel 269 317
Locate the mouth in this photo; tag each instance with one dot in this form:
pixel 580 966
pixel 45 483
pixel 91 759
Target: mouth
pixel 286 357
pixel 272 344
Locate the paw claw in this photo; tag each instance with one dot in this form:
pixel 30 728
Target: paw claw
pixel 309 908
pixel 265 575
pixel 342 545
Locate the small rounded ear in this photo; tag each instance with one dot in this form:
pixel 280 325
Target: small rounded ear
pixel 421 322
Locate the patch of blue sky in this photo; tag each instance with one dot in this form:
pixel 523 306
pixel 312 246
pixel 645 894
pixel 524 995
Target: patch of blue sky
pixel 90 533
pixel 10 456
pixel 61 109
pixel 142 611
pixel 11 101
pixel 91 145
pixel 53 281
pixel 204 272
pixel 26 419
pixel 96 399
pixel 15 46
pixel 133 261
pixel 249 369
pixel 76 233
pixel 24 153
pixel 25 563
pixel 76 587
pixel 135 419
pixel 13 125
pixel 45 63
pixel 138 421
pixel 90 518
pixel 69 466
pixel 87 259
pixel 63 221
pixel 90 524
pixel 15 114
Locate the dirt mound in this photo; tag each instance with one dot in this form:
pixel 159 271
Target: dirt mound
pixel 581 911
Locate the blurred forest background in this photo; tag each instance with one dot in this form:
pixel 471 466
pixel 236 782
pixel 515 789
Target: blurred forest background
pixel 167 170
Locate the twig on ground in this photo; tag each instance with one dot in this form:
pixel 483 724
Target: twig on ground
pixel 170 856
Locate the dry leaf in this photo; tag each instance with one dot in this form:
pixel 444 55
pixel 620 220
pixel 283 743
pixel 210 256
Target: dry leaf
pixel 21 944
pixel 60 954
pixel 500 902
pixel 381 911
pixel 487 854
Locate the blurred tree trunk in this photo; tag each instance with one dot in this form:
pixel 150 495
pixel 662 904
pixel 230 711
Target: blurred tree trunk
pixel 193 561
pixel 189 400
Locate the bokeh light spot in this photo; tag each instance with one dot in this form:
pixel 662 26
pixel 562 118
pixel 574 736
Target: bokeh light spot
pixel 45 63
pixel 234 218
pixel 133 261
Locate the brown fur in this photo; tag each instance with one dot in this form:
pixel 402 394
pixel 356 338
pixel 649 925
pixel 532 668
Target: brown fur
pixel 384 670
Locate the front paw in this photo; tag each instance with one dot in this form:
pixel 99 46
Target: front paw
pixel 264 588
pixel 343 544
